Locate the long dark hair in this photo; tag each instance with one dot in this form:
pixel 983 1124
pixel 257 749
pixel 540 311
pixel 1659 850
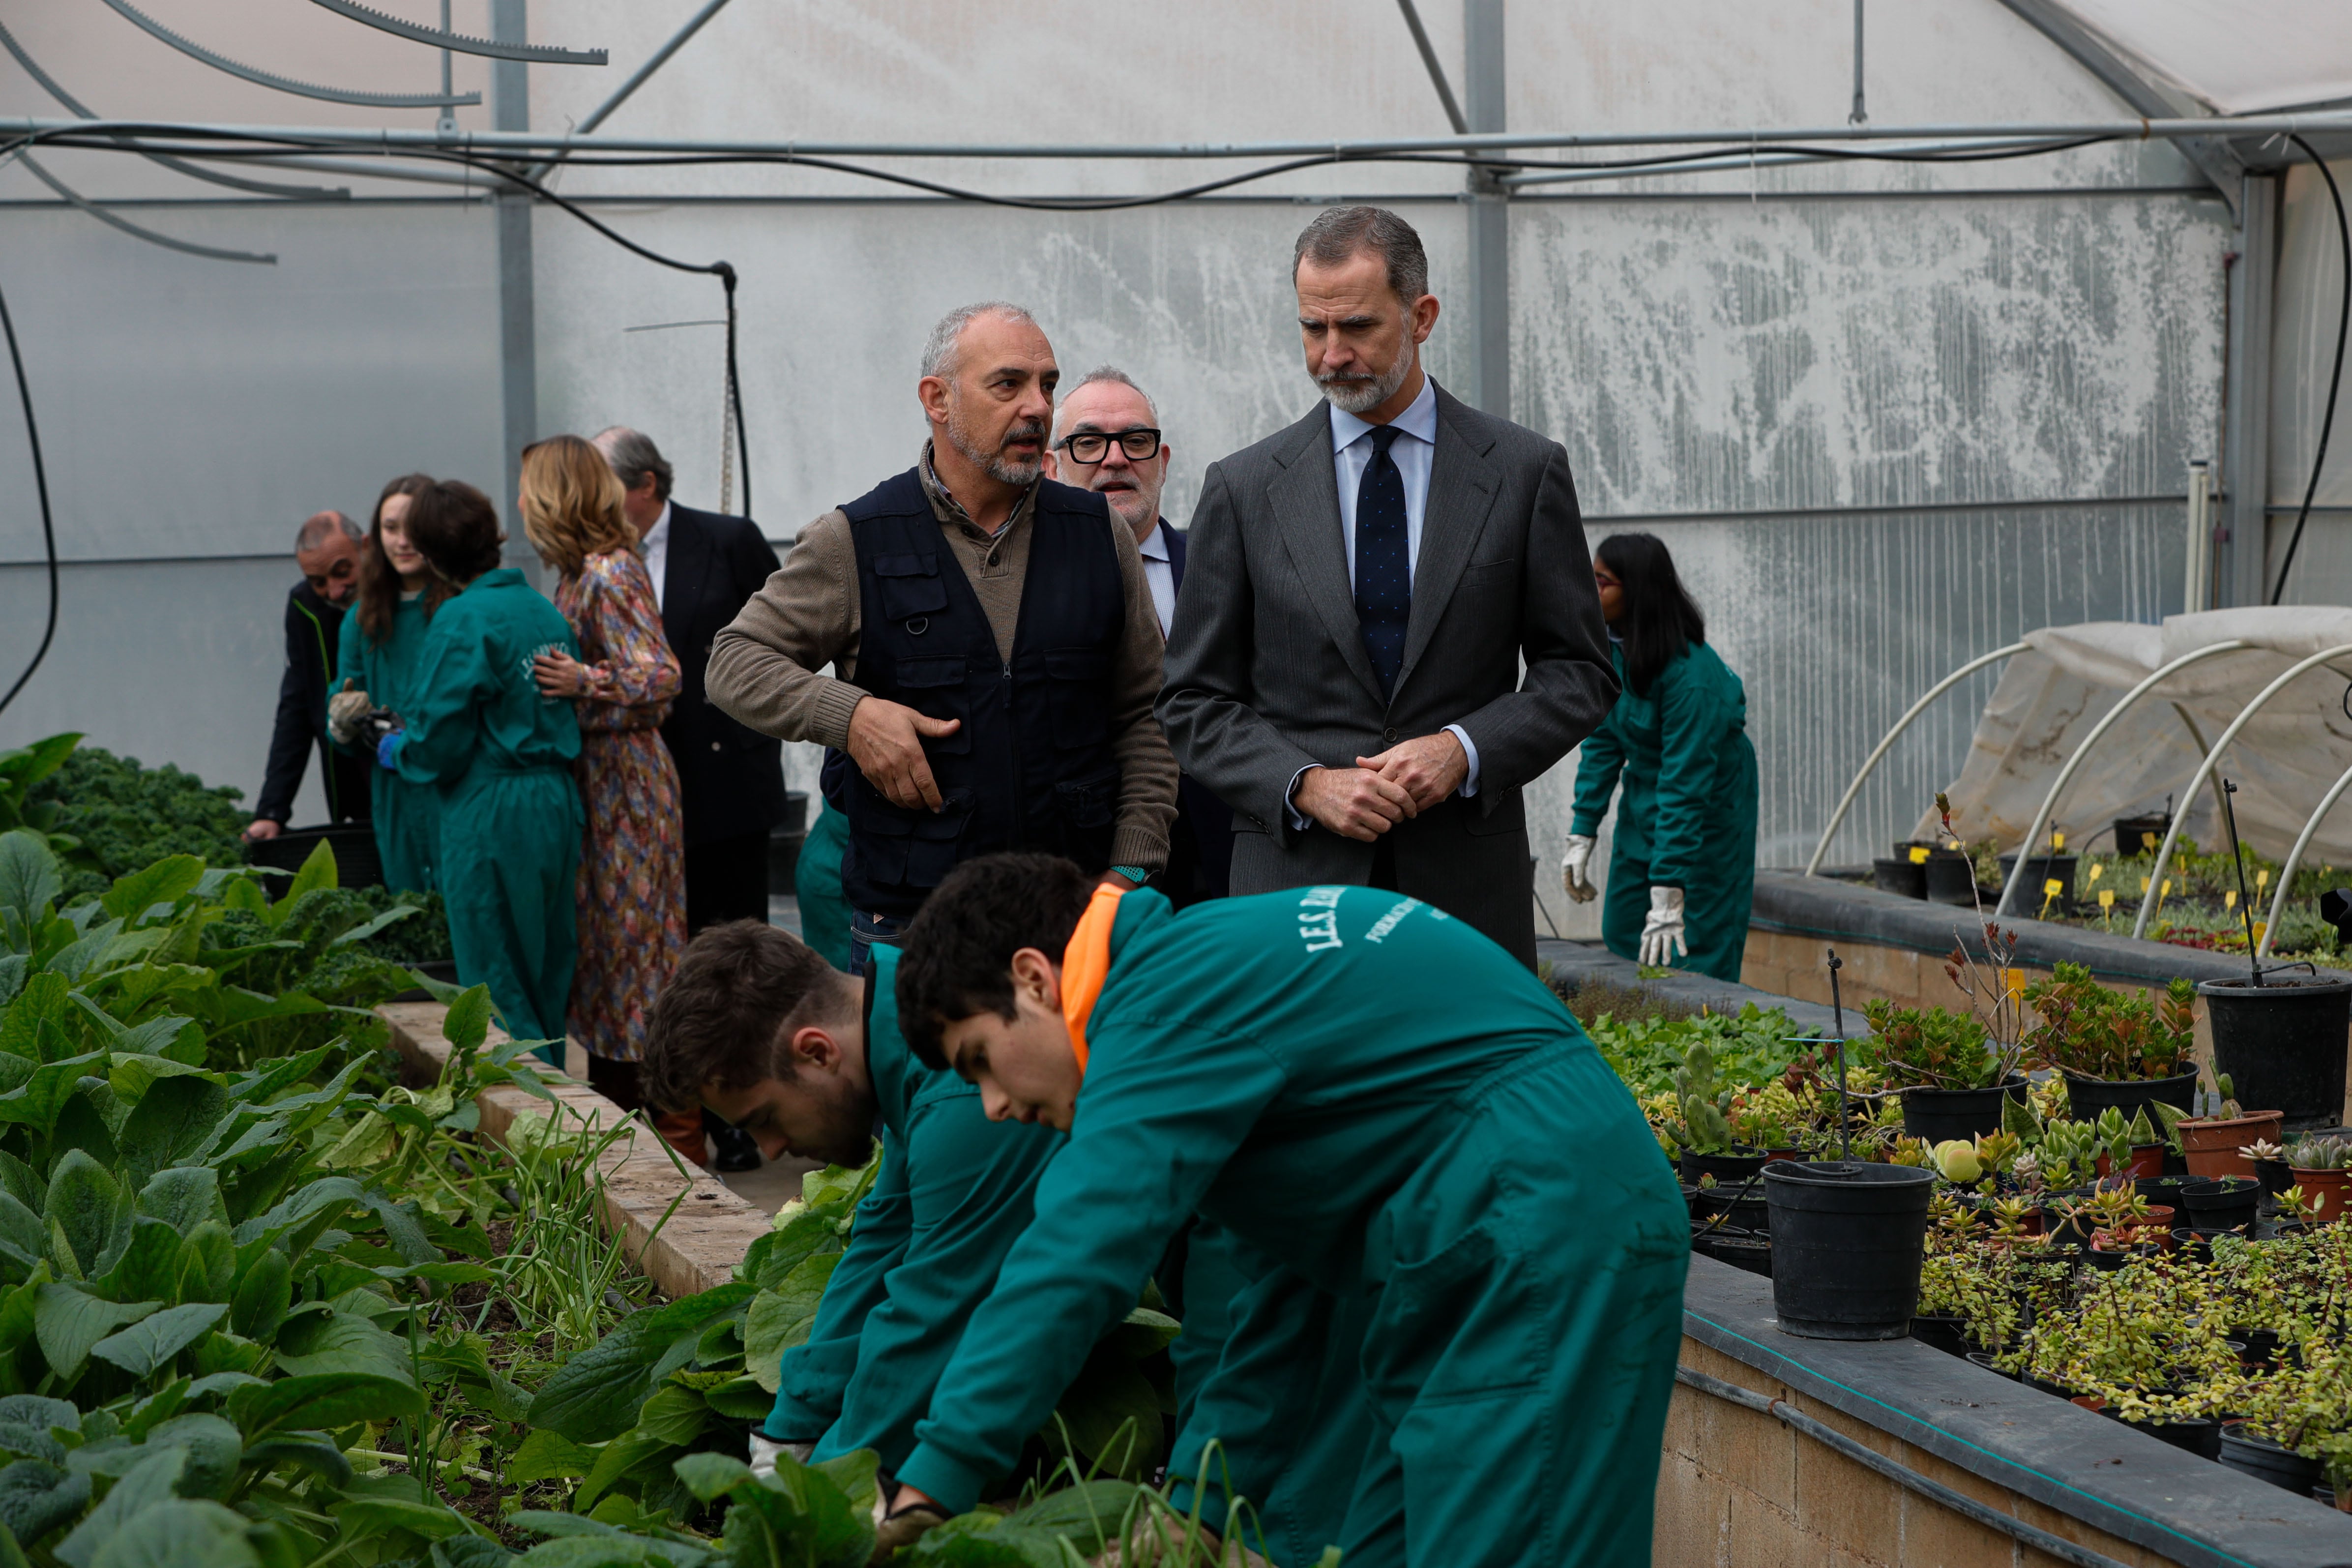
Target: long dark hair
pixel 379 583
pixel 1659 623
pixel 456 528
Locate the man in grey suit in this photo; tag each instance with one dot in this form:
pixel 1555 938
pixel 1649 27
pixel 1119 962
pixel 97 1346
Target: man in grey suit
pixel 1345 668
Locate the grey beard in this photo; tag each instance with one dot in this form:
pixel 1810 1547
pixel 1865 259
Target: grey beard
pixel 1353 396
pixel 1005 470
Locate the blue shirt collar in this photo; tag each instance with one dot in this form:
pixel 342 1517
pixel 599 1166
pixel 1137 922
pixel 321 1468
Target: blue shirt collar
pixel 1418 419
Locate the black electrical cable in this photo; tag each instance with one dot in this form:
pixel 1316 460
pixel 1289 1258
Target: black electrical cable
pixel 2335 377
pixel 41 489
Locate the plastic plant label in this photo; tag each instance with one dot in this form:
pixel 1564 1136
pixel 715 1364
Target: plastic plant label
pixel 2260 928
pixel 2097 872
pixel 2013 982
pixel 2262 879
pixel 2106 897
pixel 1918 855
pixel 2229 897
pixel 2052 888
pixel 2057 841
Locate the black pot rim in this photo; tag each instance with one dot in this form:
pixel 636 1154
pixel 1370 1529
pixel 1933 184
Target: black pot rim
pixel 2071 1075
pixel 2299 988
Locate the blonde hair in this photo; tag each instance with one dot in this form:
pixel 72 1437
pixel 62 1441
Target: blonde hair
pixel 571 503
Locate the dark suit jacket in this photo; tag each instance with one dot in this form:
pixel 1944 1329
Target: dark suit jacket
pixel 732 777
pixel 1201 841
pixel 314 630
pixel 1266 672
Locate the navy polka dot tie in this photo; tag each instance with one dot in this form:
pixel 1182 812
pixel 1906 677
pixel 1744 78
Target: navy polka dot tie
pixel 1383 560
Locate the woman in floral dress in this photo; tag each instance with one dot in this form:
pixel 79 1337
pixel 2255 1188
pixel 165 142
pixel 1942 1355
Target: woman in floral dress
pixel 632 887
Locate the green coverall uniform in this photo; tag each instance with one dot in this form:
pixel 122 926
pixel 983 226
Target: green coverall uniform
pixel 952 1197
pixel 511 813
pixel 816 883
pixel 406 814
pixel 1399 1120
pixel 1687 818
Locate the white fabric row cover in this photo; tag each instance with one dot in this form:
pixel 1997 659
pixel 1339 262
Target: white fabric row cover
pixel 2051 694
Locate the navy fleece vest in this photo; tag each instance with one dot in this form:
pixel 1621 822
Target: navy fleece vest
pixel 1031 767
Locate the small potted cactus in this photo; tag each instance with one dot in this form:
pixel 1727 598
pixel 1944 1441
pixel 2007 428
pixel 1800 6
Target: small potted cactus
pixel 2319 1166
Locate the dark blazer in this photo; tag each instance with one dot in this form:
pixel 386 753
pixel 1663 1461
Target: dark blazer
pixel 732 777
pixel 1266 672
pixel 314 630
pixel 1201 841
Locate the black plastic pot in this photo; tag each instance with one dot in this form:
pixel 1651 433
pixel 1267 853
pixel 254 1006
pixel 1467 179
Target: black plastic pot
pixel 1740 1203
pixel 1846 1242
pixel 2086 1096
pixel 1899 877
pixel 1937 1114
pixel 1951 880
pixel 1690 1197
pixel 1725 1168
pixel 2131 831
pixel 2220 1203
pixel 2258 1348
pixel 2164 1190
pixel 1943 1331
pixel 2275 1176
pixel 1984 1360
pixel 1753 1253
pixel 2202 1438
pixel 2282 1043
pixel 2039 872
pixel 353 844
pixel 2255 1456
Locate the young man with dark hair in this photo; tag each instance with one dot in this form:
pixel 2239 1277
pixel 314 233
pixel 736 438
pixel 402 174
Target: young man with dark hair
pixel 757 1028
pixel 1391 1113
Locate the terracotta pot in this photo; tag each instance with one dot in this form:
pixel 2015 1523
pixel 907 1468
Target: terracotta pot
pixel 2212 1145
pixel 2156 1226
pixel 2323 1190
pixel 2146 1160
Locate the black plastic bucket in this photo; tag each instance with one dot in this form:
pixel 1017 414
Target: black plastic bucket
pixel 2220 1203
pixel 353 843
pixel 1847 1242
pixel 1951 880
pixel 2282 1044
pixel 2086 1096
pixel 2132 833
pixel 2262 1458
pixel 1933 1115
pixel 2040 870
pixel 1899 877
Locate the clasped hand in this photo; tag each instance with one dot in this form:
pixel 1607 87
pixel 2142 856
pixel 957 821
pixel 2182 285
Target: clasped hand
pixel 1367 800
pixel 561 675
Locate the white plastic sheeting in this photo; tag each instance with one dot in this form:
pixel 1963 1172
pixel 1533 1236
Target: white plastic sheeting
pixel 2050 695
pixel 2229 57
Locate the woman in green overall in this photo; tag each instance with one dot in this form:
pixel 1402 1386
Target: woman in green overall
pixel 1434 1170
pixel 501 754
pixel 1685 843
pixel 381 644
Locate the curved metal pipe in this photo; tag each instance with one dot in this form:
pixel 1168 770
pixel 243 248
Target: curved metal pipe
pixel 1870 763
pixel 2205 769
pixel 2106 721
pixel 2295 858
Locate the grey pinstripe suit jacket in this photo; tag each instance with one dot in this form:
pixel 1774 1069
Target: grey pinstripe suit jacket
pixel 1267 671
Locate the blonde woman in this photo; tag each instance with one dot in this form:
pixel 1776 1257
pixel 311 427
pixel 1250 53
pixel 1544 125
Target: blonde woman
pixel 632 885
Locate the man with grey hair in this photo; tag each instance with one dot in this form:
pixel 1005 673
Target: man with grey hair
pixel 705 566
pixel 327 550
pixel 993 642
pixel 1365 589
pixel 1106 439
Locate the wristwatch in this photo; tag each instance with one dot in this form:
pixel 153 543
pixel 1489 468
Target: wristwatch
pixel 1135 873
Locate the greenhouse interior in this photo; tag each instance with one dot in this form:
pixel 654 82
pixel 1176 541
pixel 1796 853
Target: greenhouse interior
pixel 557 1008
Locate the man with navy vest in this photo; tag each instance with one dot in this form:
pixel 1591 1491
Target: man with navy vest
pixel 995 650
pixel 1106 439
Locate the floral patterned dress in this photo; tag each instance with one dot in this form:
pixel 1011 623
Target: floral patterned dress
pixel 632 886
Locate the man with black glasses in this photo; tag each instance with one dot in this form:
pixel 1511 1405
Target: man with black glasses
pixel 994 650
pixel 1108 440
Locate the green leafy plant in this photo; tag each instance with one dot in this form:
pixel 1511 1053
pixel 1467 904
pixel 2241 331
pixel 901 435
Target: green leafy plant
pixel 2092 1031
pixel 1930 1048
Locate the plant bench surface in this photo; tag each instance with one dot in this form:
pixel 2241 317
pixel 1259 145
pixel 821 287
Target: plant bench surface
pixel 1590 960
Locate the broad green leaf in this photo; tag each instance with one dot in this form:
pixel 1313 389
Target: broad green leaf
pixel 741 1399
pixel 468 1022
pixel 68 1321
pixel 548 1456
pixel 91 1209
pixel 595 1551
pixel 780 1250
pixel 1109 1416
pixel 35 1498
pixel 304 1451
pixel 805 1508
pixel 150 1267
pixel 711 1476
pixel 23 1182
pixel 42 999
pixel 13 969
pixel 318 871
pixel 183 1197
pixel 37 1102
pixel 29 879
pixel 469 1551
pixel 24 1235
pixel 245 894
pixel 213 1450
pixel 167 881
pixel 594 1396
pixel 132 1073
pixel 273 1078
pixel 361 932
pixel 781 1318
pixel 263 1294
pixel 181 1532
pixel 170 1123
pixel 1145 1331
pixel 843 1186
pixel 400 1228
pixel 674 1415
pixel 321 1403
pixel 207 1264
pixel 368 1515
pixel 341 1343
pixel 634 1452
pixel 148 1344
pixel 149 1483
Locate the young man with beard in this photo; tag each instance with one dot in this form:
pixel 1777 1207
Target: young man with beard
pixel 995 649
pixel 807 1060
pixel 1382 1102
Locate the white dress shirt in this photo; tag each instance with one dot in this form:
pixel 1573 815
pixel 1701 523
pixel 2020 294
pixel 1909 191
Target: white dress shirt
pixel 1159 573
pixel 657 548
pixel 1412 452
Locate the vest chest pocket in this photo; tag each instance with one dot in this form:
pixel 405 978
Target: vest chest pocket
pixel 1078 696
pixel 934 688
pixel 911 848
pixel 911 585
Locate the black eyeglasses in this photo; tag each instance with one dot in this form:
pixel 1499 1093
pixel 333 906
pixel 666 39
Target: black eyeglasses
pixel 1093 445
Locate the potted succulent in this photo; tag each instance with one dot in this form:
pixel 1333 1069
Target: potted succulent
pixel 2117 1049
pixel 2270 1168
pixel 1702 1133
pixel 2129 1148
pixel 2319 1167
pixel 2281 1037
pixel 2213 1144
pixel 1952 1078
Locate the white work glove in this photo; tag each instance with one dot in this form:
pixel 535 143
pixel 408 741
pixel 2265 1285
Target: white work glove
pixel 343 710
pixel 1571 870
pixel 764 1451
pixel 1661 933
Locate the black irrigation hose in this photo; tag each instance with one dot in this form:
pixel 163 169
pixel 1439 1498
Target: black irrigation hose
pixel 2335 377
pixel 41 488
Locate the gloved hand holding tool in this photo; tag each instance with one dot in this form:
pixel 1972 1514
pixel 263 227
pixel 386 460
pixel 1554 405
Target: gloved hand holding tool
pixel 905 1526
pixel 1572 869
pixel 765 1450
pixel 387 751
pixel 343 710
pixel 1661 933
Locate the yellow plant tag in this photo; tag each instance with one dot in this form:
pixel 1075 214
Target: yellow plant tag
pixel 2057 841
pixel 2052 888
pixel 2013 982
pixel 2143 884
pixel 2106 897
pixel 2229 897
pixel 1918 855
pixel 2260 927
pixel 2147 839
pixel 2262 879
pixel 2097 872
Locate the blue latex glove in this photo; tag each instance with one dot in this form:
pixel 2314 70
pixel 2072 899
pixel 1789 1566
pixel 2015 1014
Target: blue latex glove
pixel 387 751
